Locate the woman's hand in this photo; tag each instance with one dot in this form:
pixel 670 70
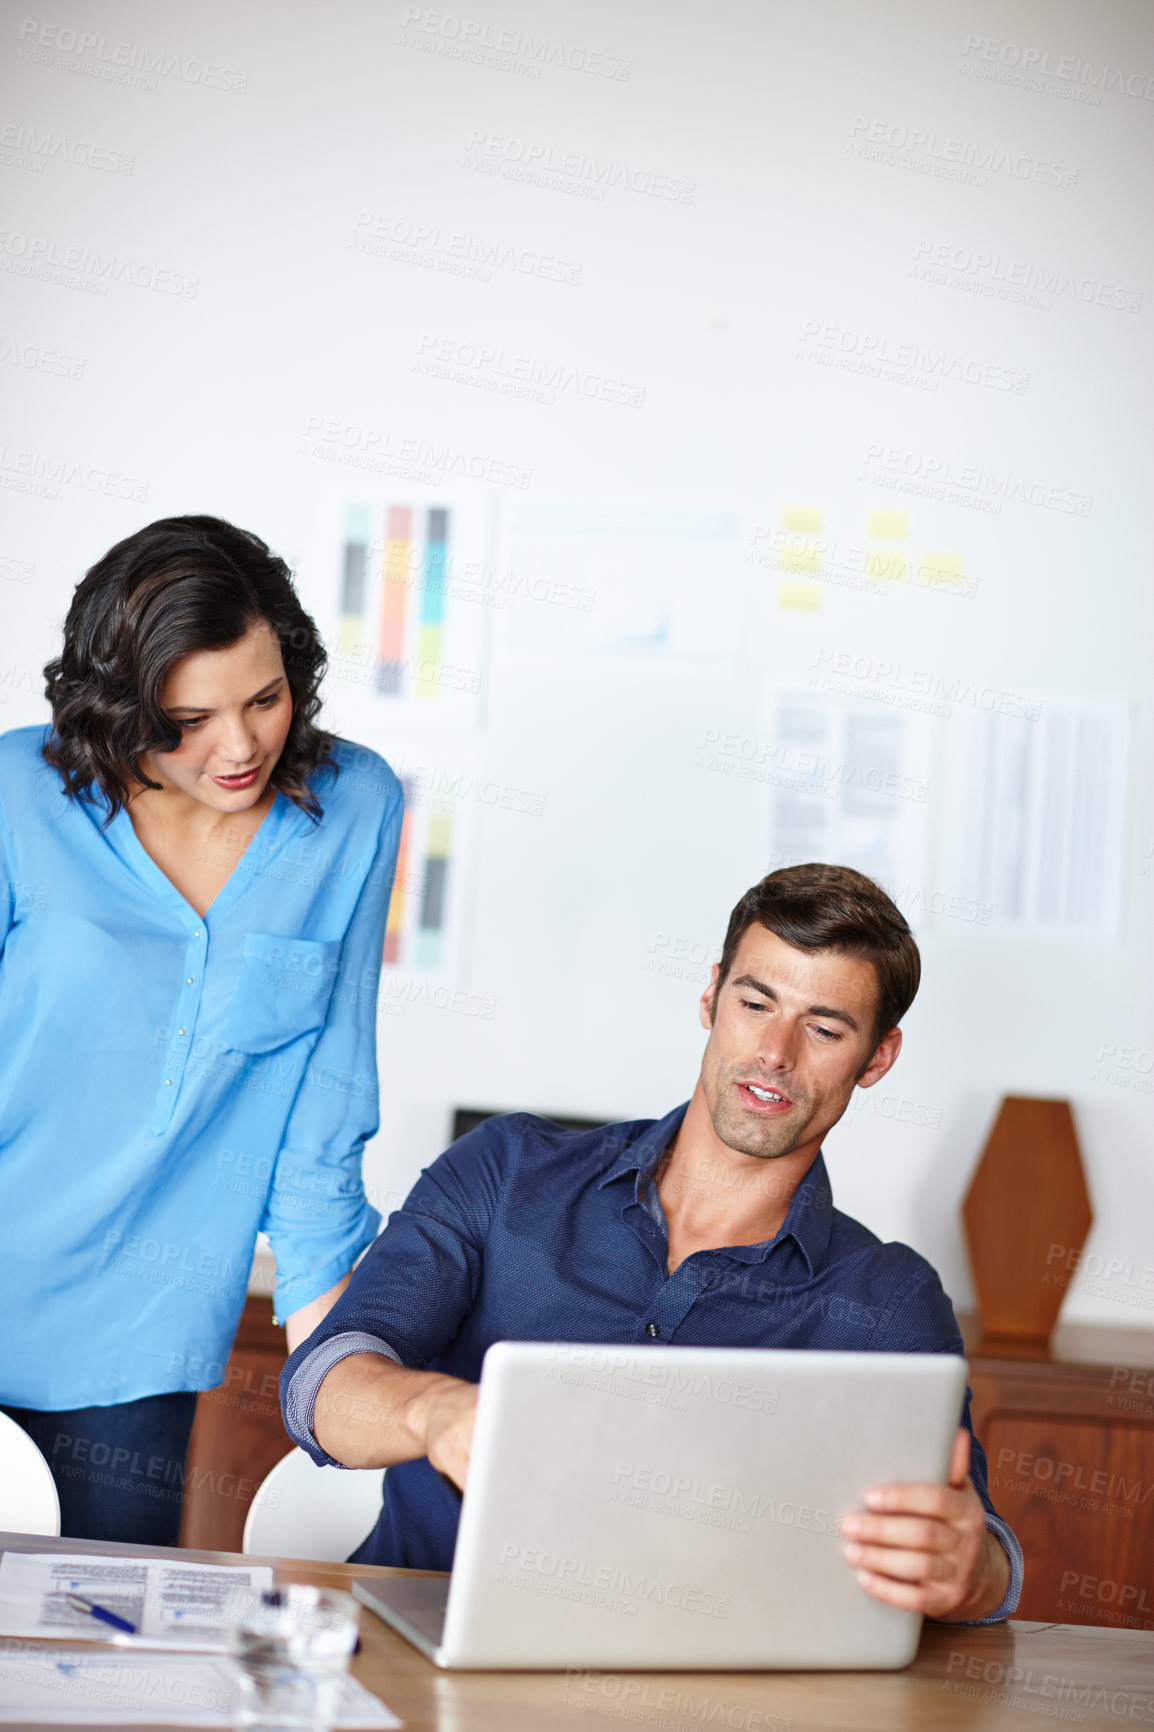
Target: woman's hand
pixel 301 1324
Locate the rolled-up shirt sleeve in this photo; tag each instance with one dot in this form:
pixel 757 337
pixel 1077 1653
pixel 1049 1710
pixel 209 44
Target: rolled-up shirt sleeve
pixel 1008 1540
pixel 300 1392
pixel 317 1215
pixel 416 1284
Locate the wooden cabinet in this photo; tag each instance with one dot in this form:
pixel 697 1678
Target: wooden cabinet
pixel 237 1435
pixel 1069 1435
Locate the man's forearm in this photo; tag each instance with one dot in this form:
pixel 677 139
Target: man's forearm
pixel 371 1412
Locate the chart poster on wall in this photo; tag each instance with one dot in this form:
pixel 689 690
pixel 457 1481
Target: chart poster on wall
pixel 425 929
pixel 848 783
pixel 619 578
pixel 1038 832
pixel 411 628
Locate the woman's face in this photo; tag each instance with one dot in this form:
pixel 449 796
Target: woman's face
pixel 234 710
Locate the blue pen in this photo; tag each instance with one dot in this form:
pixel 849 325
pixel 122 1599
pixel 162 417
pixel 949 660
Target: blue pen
pixel 80 1604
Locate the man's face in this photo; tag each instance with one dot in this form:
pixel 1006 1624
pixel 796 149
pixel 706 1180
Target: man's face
pixel 792 1033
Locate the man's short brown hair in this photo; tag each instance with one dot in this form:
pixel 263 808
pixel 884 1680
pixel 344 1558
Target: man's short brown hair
pixel 819 907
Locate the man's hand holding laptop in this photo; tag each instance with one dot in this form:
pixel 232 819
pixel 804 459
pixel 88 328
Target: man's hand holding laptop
pixel 926 1548
pixel 714 1227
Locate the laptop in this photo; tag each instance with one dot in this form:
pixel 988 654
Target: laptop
pixel 677 1508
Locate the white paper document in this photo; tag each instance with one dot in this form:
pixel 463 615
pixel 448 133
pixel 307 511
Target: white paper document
pixel 1039 831
pixel 848 782
pixel 45 1683
pixel 172 1605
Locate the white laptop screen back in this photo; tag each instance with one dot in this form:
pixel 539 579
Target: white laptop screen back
pixel 680 1507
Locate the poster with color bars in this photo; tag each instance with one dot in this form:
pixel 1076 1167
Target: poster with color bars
pixel 422 926
pixel 411 633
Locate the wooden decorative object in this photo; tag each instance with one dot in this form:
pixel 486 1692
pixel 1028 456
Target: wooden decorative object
pixel 1026 1214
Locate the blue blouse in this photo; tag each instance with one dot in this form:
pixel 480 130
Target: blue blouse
pixel 170 1084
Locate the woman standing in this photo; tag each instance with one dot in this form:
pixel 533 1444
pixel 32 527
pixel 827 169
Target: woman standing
pixel 194 880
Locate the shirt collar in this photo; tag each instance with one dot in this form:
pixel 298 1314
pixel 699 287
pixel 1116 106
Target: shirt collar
pixel 810 1218
pixel 642 1154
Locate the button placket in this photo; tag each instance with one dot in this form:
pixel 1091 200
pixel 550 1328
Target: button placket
pixel 185 1014
pixel 673 1302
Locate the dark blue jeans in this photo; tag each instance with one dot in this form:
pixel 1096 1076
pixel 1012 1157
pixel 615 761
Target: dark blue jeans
pixel 119 1470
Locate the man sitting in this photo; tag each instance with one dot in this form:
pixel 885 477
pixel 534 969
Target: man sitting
pixel 713 1226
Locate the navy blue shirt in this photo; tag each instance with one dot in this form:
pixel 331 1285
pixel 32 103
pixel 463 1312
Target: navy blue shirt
pixel 523 1231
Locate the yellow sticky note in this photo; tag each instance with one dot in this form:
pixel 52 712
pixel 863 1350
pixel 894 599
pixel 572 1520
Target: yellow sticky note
pixel 888 525
pixel 800 597
pixel 804 519
pixel 941 570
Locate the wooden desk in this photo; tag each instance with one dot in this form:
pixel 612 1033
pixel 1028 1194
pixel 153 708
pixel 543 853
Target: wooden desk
pixel 998 1679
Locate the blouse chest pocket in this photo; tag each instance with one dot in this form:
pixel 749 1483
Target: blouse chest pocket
pixel 282 991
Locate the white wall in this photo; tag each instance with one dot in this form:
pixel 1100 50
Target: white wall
pixel 245 185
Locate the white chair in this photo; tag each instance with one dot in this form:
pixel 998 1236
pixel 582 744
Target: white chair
pixel 28 1500
pixel 305 1511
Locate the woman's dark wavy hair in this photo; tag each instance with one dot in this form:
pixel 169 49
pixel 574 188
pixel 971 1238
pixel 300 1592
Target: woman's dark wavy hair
pixel 180 585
